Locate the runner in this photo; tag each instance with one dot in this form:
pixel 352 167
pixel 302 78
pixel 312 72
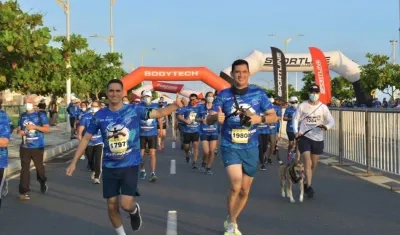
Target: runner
pixel 119 126
pixel 148 137
pixel 208 134
pixel 162 127
pixel 191 129
pixel 288 117
pixel 236 108
pixel 94 150
pixel 263 140
pixel 309 115
pixel 5 134
pixel 272 133
pixel 180 124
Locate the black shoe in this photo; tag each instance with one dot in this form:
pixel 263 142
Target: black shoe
pixel 263 168
pixel 0 203
pixel 187 160
pixel 309 191
pixel 194 165
pixel 43 188
pixel 136 219
pixel 269 161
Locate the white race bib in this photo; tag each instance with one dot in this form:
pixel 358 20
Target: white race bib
pixel 240 136
pixel 192 116
pixel 119 144
pixel 311 121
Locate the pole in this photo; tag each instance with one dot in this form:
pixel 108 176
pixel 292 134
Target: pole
pixel 112 2
pixel 68 62
pixel 393 42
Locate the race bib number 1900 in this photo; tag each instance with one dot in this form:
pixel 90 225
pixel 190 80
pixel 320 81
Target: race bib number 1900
pixel 240 136
pixel 118 145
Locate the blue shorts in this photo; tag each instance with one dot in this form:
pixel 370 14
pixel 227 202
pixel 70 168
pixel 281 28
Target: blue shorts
pixel 247 157
pixel 208 137
pixel 120 181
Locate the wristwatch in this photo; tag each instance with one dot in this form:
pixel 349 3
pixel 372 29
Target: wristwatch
pixel 262 119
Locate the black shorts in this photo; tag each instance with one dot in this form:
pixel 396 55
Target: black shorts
pixel 306 144
pixel 190 137
pixel 291 136
pixel 120 181
pixel 150 141
pixel 72 121
pixel 208 137
pixel 164 126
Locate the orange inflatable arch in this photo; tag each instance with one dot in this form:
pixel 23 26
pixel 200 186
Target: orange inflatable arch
pixel 174 74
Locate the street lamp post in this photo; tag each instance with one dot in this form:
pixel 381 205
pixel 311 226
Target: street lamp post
pixel 66 6
pixel 287 41
pixel 109 39
pixel 142 54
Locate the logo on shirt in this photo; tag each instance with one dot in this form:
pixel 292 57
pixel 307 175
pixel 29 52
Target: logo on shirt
pixel 31 132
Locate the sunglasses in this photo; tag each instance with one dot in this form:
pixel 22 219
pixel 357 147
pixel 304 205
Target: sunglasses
pixel 294 102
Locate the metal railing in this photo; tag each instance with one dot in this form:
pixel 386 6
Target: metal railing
pixel 14 111
pixel 370 137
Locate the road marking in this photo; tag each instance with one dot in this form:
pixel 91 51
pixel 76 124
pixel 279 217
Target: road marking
pixel 172 223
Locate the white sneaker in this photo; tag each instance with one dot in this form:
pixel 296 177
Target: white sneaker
pixel 232 229
pixel 92 175
pixel 96 181
pixel 83 157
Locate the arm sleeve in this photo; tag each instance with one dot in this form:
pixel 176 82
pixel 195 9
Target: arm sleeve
pixel 43 119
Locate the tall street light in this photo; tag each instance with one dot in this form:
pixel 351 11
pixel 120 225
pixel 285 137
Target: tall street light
pixel 110 39
pixel 287 41
pixel 65 5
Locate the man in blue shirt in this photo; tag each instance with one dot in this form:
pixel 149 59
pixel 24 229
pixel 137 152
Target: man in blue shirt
pixel 73 112
pixel 288 117
pixel 94 150
pixel 191 129
pixel 236 109
pixel 31 126
pixel 148 136
pixel 119 125
pixel 162 126
pixel 5 133
pixel 272 133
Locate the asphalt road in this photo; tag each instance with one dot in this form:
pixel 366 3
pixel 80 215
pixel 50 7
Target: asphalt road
pixel 343 204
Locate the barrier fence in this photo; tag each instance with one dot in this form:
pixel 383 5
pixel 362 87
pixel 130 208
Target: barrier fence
pixel 14 111
pixel 370 137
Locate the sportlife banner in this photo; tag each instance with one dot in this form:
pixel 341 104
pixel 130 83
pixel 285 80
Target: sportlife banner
pixel 280 75
pixel 167 87
pixel 322 76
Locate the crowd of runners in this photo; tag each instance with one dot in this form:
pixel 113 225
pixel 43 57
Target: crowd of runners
pixel 242 121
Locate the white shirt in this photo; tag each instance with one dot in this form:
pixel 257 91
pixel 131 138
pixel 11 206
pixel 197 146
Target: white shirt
pixel 309 116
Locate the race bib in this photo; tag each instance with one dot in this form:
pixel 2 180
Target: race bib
pixel 119 144
pixel 240 136
pixel 311 121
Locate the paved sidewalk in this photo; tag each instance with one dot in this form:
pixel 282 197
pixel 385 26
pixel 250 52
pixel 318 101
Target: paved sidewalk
pixel 56 142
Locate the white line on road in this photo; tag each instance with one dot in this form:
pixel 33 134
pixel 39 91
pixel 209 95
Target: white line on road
pixel 172 223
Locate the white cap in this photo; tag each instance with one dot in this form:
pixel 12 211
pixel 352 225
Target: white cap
pixel 73 97
pixel 137 100
pixel 147 93
pixel 272 100
pixel 293 99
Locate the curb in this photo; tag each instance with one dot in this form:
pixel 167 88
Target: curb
pixel 49 154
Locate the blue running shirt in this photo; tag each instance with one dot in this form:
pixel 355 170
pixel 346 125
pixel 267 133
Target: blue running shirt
pixel 34 139
pixel 148 127
pixel 190 112
pixel 289 113
pixel 5 132
pixel 274 128
pixel 233 135
pixel 85 121
pixel 120 132
pixel 204 128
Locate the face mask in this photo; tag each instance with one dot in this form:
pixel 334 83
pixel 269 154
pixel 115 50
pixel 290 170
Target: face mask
pixel 146 100
pixel 294 105
pixel 83 109
pixel 314 97
pixel 126 102
pixel 95 110
pixel 210 99
pixel 28 106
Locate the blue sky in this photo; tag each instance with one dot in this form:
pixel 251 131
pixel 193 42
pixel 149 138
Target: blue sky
pixel 213 33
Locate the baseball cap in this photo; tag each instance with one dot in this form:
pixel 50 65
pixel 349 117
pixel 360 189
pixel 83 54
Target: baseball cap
pixel 147 93
pixel 293 99
pixel 314 88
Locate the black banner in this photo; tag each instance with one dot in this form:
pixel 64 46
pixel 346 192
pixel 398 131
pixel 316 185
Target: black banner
pixel 280 75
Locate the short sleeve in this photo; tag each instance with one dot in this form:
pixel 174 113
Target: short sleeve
pixel 43 118
pixel 218 102
pixel 94 125
pixel 141 111
pixel 5 129
pixel 265 104
pixel 287 113
pixel 279 113
pixel 181 111
pixel 82 121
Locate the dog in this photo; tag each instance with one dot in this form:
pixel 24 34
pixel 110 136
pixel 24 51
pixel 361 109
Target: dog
pixel 292 173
